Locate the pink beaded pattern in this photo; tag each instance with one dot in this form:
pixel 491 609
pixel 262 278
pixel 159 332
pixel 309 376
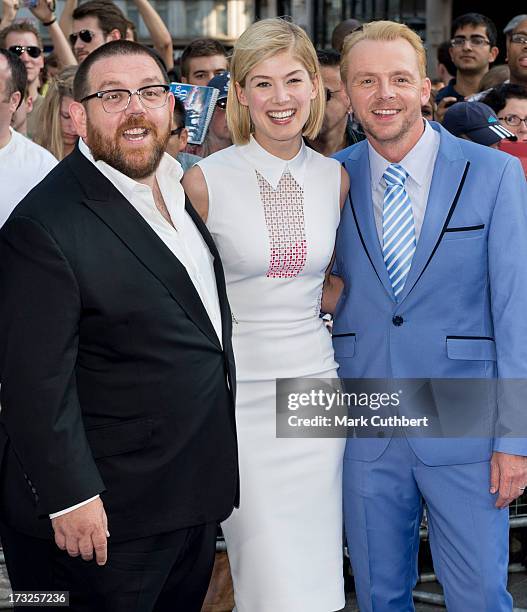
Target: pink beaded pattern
pixel 284 217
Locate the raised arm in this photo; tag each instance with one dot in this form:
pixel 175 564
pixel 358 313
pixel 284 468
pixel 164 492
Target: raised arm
pixel 158 31
pixel 66 17
pixel 61 46
pixel 9 10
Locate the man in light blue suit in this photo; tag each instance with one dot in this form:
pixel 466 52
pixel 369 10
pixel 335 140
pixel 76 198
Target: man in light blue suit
pixel 432 249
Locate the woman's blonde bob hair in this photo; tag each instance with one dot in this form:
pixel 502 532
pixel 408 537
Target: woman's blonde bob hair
pixel 383 31
pixel 260 41
pixel 49 132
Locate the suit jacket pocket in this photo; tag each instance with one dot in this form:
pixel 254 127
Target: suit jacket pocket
pixel 119 438
pixel 466 231
pixel 344 345
pixel 471 348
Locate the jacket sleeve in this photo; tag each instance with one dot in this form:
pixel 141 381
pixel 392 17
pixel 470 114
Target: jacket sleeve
pixel 40 307
pixel 507 259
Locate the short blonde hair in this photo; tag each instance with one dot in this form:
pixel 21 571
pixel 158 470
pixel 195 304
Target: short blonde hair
pixel 260 41
pixel 383 31
pixel 49 131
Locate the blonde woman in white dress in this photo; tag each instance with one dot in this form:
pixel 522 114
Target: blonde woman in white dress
pixel 272 205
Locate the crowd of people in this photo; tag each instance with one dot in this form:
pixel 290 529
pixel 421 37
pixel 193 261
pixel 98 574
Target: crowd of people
pixel 154 290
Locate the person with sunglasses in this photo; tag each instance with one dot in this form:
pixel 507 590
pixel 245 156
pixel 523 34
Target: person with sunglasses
pixel 337 130
pixel 472 49
pixel 95 23
pixel 509 102
pixel 23 39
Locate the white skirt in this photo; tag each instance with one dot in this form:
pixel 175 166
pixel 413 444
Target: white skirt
pixel 285 541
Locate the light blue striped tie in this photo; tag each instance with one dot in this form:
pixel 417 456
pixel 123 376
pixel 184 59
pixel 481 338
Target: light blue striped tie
pixel 398 232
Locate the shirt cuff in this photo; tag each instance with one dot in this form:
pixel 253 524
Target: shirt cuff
pixel 61 512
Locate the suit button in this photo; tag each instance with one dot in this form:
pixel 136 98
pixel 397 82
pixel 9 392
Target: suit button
pixel 397 321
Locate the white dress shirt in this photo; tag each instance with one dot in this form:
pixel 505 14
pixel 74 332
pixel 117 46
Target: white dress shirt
pixel 419 164
pixel 183 239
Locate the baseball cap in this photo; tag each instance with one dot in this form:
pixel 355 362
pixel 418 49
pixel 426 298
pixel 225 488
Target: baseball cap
pixel 514 23
pixel 221 81
pixel 477 121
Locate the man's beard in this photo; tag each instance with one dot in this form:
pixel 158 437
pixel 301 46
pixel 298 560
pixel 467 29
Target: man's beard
pixel 138 163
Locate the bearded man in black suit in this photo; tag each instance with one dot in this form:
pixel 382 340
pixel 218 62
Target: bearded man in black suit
pixel 117 431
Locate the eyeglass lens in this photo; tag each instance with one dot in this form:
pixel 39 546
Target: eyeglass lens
pixel 514 120
pixel 475 41
pixel 117 100
pixel 519 39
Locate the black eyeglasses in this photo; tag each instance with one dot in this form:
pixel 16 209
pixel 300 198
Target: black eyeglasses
pixel 475 41
pixel 85 35
pixel 222 103
pixel 519 39
pixel 514 120
pixel 177 131
pixel 330 93
pixel 32 51
pixel 117 100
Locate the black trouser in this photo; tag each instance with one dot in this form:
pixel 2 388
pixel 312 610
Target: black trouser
pixel 169 572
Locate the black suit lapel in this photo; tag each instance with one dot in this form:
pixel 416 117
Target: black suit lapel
pixel 129 226
pixel 226 317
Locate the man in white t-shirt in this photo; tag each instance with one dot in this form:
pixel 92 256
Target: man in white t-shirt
pixel 23 163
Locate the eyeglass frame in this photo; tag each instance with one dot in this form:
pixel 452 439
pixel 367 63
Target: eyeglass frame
pixel 25 48
pixel 100 94
pixel 177 131
pixel 518 36
pixel 481 41
pixel 75 35
pixel 520 120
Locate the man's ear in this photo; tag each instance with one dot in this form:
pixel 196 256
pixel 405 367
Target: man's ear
pixel 29 104
pixel 113 35
pixel 183 139
pixel 15 101
pixel 78 116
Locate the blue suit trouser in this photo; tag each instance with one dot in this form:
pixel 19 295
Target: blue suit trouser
pixel 383 504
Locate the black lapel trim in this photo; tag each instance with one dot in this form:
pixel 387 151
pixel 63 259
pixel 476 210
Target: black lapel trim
pixel 447 221
pixel 362 241
pixel 225 310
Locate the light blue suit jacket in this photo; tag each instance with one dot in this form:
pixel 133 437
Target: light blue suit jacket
pixel 464 304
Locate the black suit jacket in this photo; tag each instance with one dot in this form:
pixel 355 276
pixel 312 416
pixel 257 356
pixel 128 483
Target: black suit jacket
pixel 113 378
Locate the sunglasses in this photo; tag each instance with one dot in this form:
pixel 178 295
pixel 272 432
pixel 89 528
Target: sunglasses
pixel 85 35
pixel 222 103
pixel 32 51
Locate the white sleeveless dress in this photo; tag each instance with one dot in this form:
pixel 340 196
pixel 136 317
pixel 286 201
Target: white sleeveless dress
pixel 274 222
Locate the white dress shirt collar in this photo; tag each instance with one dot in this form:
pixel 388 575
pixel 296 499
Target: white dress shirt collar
pixel 271 167
pixel 414 161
